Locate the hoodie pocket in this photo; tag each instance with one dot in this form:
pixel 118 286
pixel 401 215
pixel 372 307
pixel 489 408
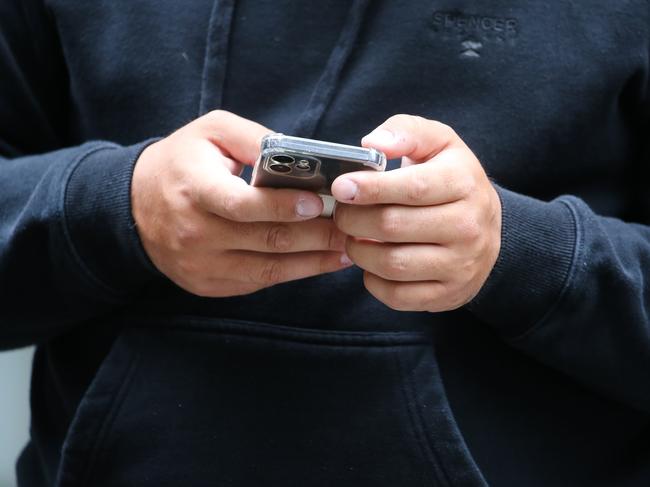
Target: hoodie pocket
pixel 215 402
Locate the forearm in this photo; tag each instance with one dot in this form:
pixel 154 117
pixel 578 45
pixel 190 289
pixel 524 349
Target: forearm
pixel 68 246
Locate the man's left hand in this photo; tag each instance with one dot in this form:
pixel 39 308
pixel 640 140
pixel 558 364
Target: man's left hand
pixel 427 234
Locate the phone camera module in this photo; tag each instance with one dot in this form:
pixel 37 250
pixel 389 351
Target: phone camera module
pixel 283 159
pixel 293 166
pixel 303 165
pixel 280 168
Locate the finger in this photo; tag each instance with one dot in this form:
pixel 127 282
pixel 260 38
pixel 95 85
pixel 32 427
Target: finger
pixel 266 270
pixel 236 136
pixel 311 235
pixel 399 262
pixel 409 296
pixel 217 288
pixel 232 198
pixel 442 180
pixel 417 138
pixel 442 224
pixel 235 168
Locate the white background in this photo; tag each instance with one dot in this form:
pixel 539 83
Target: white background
pixel 15 370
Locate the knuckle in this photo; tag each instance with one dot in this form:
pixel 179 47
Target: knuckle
pixel 277 208
pixel 217 114
pixel 405 124
pixel 465 271
pixel 187 235
pixel 454 300
pixel 395 263
pixel 232 206
pixel 466 185
pixel 422 300
pixel 279 238
pixel 417 188
pixel 334 237
pixel 445 129
pixel 419 123
pixel 271 273
pixel 469 228
pixel 186 190
pixel 210 125
pixel 390 223
pixel 325 265
pixel 203 289
pixel 188 268
pixel 451 297
pixel 232 231
pixel 398 298
pixel 396 118
pixel 372 191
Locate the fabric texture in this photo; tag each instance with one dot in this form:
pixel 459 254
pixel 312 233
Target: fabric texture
pixel 541 380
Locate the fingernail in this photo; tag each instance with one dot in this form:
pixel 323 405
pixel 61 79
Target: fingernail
pixel 308 207
pixel 379 137
pixel 346 189
pixel 345 260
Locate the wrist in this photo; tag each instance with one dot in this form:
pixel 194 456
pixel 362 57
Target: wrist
pixel 538 241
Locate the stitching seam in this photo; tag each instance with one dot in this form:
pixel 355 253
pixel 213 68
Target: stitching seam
pixel 88 273
pixel 239 328
pixel 417 430
pixel 107 425
pixel 568 279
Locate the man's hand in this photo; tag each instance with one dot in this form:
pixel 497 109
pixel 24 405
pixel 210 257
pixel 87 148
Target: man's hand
pixel 213 234
pixel 427 234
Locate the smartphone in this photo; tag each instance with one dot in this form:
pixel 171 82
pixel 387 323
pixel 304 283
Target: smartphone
pixel 294 162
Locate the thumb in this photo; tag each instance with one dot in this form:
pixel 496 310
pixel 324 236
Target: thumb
pixel 235 168
pixel 415 138
pixel 238 138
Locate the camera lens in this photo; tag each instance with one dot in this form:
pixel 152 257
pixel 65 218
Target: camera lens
pixel 281 168
pixel 303 165
pixel 282 159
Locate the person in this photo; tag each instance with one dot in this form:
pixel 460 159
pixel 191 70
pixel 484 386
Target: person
pixel 476 315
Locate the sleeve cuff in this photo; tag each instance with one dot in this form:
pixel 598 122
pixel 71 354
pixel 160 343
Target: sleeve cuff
pixel 538 241
pixel 99 220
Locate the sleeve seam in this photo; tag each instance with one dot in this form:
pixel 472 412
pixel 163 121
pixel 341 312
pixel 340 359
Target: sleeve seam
pixel 142 253
pixel 498 264
pixel 568 278
pixel 88 273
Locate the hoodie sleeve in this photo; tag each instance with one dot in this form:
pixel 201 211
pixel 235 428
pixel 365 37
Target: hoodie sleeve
pixel 572 288
pixel 69 249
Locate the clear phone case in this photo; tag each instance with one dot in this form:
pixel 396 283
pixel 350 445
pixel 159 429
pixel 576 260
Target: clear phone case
pixel 294 162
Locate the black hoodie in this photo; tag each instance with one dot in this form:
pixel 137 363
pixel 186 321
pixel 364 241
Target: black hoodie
pixel 543 379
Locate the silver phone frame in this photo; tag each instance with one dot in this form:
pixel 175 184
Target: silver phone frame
pixel 369 157
pixel 278 144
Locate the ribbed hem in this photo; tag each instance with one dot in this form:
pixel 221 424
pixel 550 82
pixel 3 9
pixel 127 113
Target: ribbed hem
pixel 537 248
pixel 99 220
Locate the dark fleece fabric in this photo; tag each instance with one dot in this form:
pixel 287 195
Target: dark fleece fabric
pixel 543 379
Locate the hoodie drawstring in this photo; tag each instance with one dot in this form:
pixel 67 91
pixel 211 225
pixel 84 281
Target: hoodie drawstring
pixel 321 97
pixel 216 60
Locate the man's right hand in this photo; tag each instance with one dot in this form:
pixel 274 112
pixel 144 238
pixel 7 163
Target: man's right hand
pixel 210 232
